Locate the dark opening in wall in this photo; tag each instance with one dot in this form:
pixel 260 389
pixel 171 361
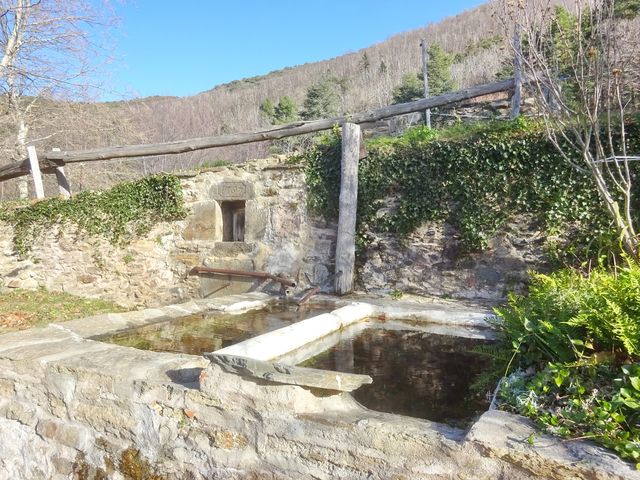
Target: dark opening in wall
pixel 233 221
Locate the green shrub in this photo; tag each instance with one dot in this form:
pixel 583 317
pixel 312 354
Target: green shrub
pixel 600 402
pixel 578 337
pixel 568 316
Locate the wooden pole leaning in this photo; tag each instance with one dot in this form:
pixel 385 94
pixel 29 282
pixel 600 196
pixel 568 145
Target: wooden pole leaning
pixel 348 204
pixel 63 182
pixel 35 171
pixel 516 99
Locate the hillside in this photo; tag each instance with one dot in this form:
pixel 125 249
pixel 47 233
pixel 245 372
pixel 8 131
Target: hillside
pixel 368 75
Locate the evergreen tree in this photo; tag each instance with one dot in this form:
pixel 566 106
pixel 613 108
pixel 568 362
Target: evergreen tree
pixel 286 111
pixel 411 88
pixel 627 8
pixel 439 71
pixel 364 62
pixel 323 99
pixel 267 110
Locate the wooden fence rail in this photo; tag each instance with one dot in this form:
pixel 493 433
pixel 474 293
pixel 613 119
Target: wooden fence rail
pixel 51 160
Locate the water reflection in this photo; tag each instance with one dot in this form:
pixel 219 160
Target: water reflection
pixel 197 334
pixel 414 373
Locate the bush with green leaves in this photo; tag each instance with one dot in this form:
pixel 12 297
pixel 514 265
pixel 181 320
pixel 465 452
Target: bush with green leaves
pixel 595 401
pixel 568 316
pixel 117 214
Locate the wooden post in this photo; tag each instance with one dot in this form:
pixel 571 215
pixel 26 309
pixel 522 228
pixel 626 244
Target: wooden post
pixel 346 241
pixel 425 78
pixel 63 183
pixel 35 171
pixel 517 72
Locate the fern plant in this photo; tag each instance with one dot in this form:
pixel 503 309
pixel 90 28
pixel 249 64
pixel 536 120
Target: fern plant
pixel 568 316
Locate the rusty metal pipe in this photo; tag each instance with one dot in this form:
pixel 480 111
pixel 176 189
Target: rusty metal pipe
pixel 244 273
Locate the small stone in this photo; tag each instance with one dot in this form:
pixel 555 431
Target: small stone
pixel 85 278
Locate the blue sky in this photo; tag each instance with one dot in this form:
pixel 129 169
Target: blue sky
pixel 181 48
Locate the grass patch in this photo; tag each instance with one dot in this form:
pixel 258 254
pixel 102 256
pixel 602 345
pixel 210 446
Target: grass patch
pixel 22 309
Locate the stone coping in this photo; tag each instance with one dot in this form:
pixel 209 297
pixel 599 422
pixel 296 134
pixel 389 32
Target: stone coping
pixel 105 324
pixel 515 438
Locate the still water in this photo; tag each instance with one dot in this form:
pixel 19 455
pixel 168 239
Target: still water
pixel 197 334
pixel 414 373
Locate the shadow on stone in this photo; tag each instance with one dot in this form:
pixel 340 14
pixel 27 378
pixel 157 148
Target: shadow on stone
pixel 187 377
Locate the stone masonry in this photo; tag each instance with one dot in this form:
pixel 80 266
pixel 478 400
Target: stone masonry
pixel 279 236
pixel 76 408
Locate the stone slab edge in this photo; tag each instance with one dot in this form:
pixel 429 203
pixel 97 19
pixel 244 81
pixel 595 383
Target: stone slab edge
pixel 291 375
pixel 515 439
pixel 99 325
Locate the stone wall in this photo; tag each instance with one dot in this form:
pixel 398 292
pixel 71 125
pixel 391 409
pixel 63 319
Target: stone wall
pixel 279 237
pixel 430 260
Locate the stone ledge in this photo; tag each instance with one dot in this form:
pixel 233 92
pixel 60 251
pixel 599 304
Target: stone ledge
pixel 507 436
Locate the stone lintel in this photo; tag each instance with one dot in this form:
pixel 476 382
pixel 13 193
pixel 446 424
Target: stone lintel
pixel 233 190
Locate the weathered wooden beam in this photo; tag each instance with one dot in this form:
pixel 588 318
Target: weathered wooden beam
pixel 280 373
pixel 19 169
pixel 52 160
pixel 292 129
pixel 14 170
pixel 516 99
pixel 348 204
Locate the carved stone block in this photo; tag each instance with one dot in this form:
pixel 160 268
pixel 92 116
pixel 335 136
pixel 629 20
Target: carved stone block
pixel 233 190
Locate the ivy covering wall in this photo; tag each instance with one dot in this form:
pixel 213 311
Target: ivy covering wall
pixel 116 214
pixel 473 177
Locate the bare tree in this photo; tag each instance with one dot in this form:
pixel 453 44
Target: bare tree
pixel 48 48
pixel 583 68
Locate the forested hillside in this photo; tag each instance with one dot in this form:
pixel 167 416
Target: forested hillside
pixel 472 41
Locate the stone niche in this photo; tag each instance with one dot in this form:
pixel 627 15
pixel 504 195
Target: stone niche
pixel 230 215
pixel 238 210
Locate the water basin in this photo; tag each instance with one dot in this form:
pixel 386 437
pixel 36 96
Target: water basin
pixel 207 332
pixel 415 373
